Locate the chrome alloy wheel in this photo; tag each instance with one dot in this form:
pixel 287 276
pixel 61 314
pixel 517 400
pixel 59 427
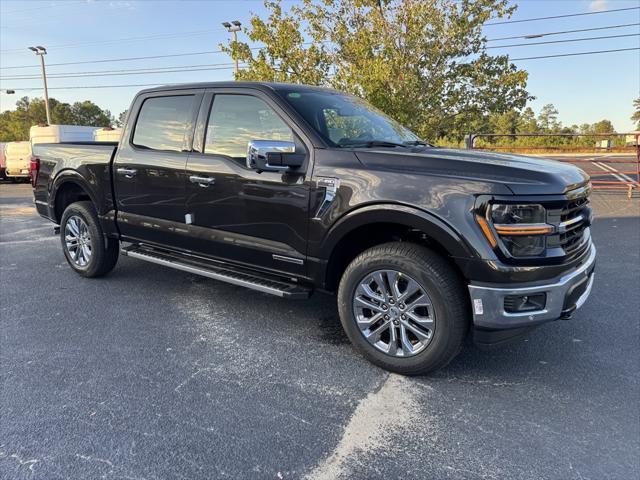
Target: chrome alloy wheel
pixel 394 313
pixel 77 240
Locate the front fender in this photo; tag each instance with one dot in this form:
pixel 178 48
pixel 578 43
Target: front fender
pixel 441 232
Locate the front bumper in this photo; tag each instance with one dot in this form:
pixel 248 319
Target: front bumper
pixel 563 296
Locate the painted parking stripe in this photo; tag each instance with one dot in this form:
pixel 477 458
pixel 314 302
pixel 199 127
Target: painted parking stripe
pixel 612 169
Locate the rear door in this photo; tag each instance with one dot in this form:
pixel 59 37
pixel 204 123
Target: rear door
pixel 149 170
pixel 236 213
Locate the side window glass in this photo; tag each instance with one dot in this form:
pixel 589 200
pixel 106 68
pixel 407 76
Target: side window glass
pixel 162 123
pixel 237 119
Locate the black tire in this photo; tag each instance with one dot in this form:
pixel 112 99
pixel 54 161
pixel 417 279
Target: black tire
pixel 443 285
pixel 104 251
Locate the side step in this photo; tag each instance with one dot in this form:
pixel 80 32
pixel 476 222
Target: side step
pixel 217 271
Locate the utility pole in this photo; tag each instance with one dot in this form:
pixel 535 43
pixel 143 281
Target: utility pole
pixel 233 27
pixel 41 52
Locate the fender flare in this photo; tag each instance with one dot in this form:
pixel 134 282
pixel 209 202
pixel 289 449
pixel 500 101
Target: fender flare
pixel 405 215
pixel 63 178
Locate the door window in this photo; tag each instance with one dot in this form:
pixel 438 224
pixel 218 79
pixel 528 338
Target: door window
pixel 237 119
pixel 162 123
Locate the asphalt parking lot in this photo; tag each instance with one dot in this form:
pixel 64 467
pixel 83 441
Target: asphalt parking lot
pixel 151 373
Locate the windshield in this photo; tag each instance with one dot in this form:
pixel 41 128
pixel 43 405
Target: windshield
pixel 346 121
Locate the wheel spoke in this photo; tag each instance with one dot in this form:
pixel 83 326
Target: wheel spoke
pixel 421 301
pixel 426 322
pixel 393 340
pixel 368 291
pixel 412 288
pixel 417 331
pixel 382 284
pixel 366 322
pixel 368 304
pixel 407 347
pixel 374 336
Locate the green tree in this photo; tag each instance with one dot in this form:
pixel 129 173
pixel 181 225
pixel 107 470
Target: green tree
pixel 423 63
pixel 528 122
pixel 548 119
pixel 121 119
pixel 15 124
pixel 88 113
pixel 603 126
pixel 636 114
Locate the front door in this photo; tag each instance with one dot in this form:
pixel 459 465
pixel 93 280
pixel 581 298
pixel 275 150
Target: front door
pixel 256 219
pixel 149 170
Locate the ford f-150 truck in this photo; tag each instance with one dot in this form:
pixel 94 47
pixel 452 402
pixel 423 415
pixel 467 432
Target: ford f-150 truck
pixel 291 189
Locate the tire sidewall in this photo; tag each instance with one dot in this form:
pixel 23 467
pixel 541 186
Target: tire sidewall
pixel 444 318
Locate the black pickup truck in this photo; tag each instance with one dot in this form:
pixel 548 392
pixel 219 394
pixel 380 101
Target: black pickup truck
pixel 291 189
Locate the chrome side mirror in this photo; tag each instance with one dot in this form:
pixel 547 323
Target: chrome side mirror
pixel 273 156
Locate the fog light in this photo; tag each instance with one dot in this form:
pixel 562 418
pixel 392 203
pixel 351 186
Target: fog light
pixel 525 303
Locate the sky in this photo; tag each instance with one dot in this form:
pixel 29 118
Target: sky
pixel 585 89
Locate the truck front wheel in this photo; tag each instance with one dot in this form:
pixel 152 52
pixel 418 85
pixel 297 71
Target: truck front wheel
pixel 86 248
pixel 404 308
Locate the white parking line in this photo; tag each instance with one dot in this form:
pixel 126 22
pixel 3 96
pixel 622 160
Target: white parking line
pixel 615 172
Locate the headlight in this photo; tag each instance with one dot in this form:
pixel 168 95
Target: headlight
pixel 521 228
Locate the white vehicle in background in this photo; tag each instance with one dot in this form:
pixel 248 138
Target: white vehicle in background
pixel 107 134
pixel 3 162
pixel 17 158
pixel 60 134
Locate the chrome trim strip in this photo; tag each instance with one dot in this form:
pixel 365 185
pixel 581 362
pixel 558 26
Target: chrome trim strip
pixel 562 227
pixel 205 273
pixel 282 258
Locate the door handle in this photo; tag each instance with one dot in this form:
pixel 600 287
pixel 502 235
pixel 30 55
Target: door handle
pixel 127 172
pixel 204 182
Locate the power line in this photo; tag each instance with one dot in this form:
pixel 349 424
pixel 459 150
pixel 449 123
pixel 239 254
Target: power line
pixel 537 35
pixel 178 70
pixel 563 41
pixel 224 66
pixel 77 87
pixel 123 40
pixel 576 54
pixel 562 16
pixel 128 59
pixel 97 73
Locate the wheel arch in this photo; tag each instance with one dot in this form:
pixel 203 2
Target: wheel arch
pixel 69 187
pixel 380 223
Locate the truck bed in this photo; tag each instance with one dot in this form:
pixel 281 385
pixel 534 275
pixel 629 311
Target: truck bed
pixel 63 165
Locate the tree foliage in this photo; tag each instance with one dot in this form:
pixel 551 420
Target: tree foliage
pixel 636 113
pixel 422 62
pixel 15 124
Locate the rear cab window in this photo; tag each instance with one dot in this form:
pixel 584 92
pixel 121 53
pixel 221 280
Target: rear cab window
pixel 162 123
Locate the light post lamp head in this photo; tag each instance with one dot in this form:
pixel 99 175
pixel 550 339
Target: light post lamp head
pixel 233 26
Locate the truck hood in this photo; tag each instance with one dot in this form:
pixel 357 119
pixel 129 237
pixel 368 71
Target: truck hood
pixel 521 174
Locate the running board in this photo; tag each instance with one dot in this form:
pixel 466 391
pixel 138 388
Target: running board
pixel 217 271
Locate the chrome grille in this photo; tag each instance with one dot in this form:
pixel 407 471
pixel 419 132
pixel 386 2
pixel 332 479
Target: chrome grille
pixel 572 222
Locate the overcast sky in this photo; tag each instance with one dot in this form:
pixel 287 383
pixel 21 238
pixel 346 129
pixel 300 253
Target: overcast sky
pixel 585 89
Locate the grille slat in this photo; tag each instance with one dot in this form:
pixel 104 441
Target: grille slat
pixel 572 239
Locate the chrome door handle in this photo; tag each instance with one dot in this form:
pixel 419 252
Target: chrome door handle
pixel 202 181
pixel 127 172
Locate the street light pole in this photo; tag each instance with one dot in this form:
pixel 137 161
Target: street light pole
pixel 233 27
pixel 41 52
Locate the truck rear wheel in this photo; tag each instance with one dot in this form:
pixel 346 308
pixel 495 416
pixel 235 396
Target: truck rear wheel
pixel 404 308
pixel 85 247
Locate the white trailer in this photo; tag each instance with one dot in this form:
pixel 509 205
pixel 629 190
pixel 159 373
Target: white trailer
pixel 107 134
pixel 18 158
pixel 3 161
pixel 60 134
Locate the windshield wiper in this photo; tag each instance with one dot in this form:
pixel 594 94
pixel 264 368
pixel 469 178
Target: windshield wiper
pixel 373 143
pixel 416 143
